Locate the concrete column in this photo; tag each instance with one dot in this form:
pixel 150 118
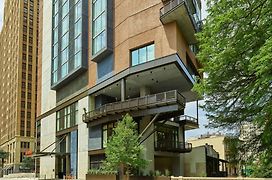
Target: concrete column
pixel 148 144
pixel 123 89
pixel 83 137
pixel 181 164
pixel 91 104
pixel 48 136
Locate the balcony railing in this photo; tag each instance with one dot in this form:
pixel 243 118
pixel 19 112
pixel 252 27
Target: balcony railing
pixel 135 104
pixel 188 118
pixel 173 4
pixel 170 5
pixel 173 146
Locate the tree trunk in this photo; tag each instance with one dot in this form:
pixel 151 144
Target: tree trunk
pixel 121 172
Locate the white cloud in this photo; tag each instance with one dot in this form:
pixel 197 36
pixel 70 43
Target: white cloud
pixel 1 12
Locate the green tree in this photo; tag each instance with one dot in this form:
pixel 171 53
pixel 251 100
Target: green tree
pixel 3 155
pixel 233 150
pixel 263 166
pixel 28 163
pixel 123 151
pixel 236 53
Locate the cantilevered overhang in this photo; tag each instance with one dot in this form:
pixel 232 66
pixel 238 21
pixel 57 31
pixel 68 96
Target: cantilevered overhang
pixel 178 10
pixel 160 75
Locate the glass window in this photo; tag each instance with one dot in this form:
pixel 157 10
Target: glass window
pixel 55 50
pixel 64 70
pixel 64 55
pixel 55 35
pixel 105 136
pixel 77 44
pixel 56 20
pixel 55 64
pixel 55 76
pixel 98 7
pixel 78 10
pixel 65 8
pixel 107 132
pixel 63 1
pixel 150 52
pixel 58 120
pixel 65 40
pixel 56 7
pixel 135 58
pixel 67 117
pixel 99 25
pixel 76 112
pixel 78 28
pixel 99 42
pixel 65 25
pixel 143 55
pixel 77 60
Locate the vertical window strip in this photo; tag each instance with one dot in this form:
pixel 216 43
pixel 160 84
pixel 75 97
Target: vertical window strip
pixel 61 40
pixel 99 26
pixel 67 117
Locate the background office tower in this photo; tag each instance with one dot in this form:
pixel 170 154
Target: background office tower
pixel 109 57
pixel 18 76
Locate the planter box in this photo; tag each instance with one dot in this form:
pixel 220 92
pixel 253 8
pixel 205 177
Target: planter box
pixel 113 177
pixel 162 178
pixel 140 178
pixel 100 177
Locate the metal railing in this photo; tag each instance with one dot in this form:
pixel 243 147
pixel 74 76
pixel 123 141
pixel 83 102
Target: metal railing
pixel 159 99
pixel 172 4
pixel 188 118
pixel 173 146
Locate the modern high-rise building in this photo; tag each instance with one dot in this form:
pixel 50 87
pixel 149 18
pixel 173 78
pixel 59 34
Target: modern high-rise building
pixel 102 59
pixel 18 91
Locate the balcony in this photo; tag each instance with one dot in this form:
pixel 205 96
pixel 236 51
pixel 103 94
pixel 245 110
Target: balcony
pixel 165 102
pixel 182 12
pixel 173 146
pixel 187 121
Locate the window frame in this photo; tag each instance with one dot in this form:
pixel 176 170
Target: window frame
pixel 137 50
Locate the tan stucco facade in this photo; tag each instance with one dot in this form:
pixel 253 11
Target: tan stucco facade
pixel 136 24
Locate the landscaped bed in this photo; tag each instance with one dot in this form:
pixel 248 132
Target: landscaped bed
pixel 114 177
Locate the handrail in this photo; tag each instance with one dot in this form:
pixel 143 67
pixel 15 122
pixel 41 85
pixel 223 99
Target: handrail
pixel 172 145
pixel 175 3
pixel 170 5
pixel 153 99
pixel 188 118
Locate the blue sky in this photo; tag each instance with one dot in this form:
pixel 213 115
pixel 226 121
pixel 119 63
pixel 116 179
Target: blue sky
pixel 190 108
